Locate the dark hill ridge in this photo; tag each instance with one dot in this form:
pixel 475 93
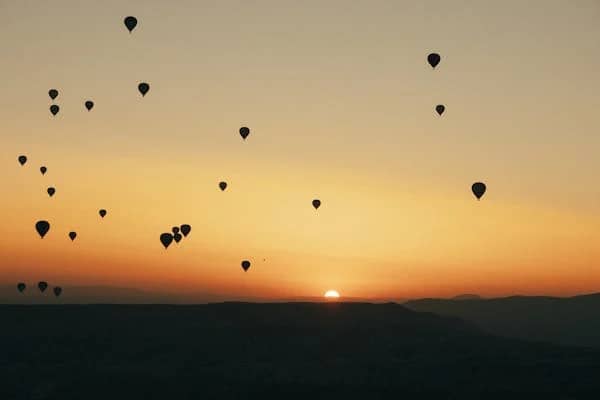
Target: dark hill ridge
pixel 276 350
pixel 569 321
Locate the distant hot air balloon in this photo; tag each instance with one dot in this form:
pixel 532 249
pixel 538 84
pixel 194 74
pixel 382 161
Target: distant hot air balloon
pixel 89 105
pixel 42 286
pixel 57 291
pixel 223 185
pixel 42 227
pixel 143 88
pixel 53 93
pixel 316 203
pixel 166 239
pixel 43 170
pixel 175 229
pixel 177 237
pixel 185 229
pixel 433 59
pixel 22 160
pixel 72 235
pixel 51 191
pixel 440 108
pixel 245 265
pixel 102 213
pixel 21 287
pixel 54 109
pixel 244 132
pixel 478 189
pixel 130 23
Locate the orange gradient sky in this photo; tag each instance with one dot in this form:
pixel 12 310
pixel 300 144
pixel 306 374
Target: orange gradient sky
pixel 340 102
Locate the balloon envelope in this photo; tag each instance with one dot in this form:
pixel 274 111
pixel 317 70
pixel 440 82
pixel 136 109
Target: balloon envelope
pixel 143 88
pixel 53 93
pixel 21 287
pixel 51 191
pixel 223 185
pixel 89 105
pixel 57 291
pixel 440 108
pixel 433 59
pixel 130 23
pixel 102 213
pixel 166 239
pixel 175 229
pixel 177 237
pixel 478 189
pixel 72 235
pixel 244 132
pixel 54 109
pixel 42 286
pixel 316 203
pixel 42 227
pixel 22 160
pixel 43 170
pixel 185 229
pixel 245 265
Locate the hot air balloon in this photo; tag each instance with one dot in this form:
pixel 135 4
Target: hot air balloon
pixel 245 265
pixel 440 108
pixel 185 229
pixel 21 287
pixel 51 191
pixel 57 291
pixel 175 229
pixel 53 93
pixel 143 88
pixel 130 23
pixel 478 189
pixel 42 286
pixel 223 185
pixel 42 227
pixel 89 105
pixel 102 213
pixel 54 109
pixel 72 235
pixel 22 160
pixel 177 237
pixel 166 239
pixel 244 132
pixel 43 170
pixel 316 203
pixel 433 59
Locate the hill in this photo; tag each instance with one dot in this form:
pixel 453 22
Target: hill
pixel 569 321
pixel 277 350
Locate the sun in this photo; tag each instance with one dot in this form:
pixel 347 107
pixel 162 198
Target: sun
pixel 332 294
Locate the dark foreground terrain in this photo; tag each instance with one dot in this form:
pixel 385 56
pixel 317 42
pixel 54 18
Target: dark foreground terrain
pixel 275 351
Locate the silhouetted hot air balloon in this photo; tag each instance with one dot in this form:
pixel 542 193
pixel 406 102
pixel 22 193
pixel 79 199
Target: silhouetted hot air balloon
pixel 245 265
pixel 53 93
pixel 433 59
pixel 102 213
pixel 42 286
pixel 175 229
pixel 21 287
pixel 43 170
pixel 72 235
pixel 51 191
pixel 54 109
pixel 223 185
pixel 89 105
pixel 22 160
pixel 316 203
pixel 42 227
pixel 130 23
pixel 185 229
pixel 166 239
pixel 57 291
pixel 143 88
pixel 440 108
pixel 478 189
pixel 244 132
pixel 177 237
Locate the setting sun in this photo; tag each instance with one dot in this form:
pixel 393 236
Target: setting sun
pixel 332 294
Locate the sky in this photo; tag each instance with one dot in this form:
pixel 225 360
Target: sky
pixel 341 103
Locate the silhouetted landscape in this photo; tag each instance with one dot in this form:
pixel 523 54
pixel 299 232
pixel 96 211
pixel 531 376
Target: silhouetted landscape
pixel 290 350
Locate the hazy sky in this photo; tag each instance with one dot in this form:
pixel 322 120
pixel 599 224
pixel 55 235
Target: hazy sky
pixel 340 101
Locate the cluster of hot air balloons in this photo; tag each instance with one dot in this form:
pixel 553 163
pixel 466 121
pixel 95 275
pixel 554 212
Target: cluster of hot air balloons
pixel 42 286
pixel 177 233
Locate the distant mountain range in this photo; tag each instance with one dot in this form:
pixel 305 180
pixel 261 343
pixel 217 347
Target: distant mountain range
pixel 569 321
